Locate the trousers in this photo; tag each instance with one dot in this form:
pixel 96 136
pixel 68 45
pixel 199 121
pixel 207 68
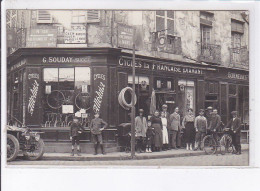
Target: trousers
pixel 175 138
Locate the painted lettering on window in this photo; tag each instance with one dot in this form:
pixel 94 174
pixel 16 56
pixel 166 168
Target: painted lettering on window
pixel 99 93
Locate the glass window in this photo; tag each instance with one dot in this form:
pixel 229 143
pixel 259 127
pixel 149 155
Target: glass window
pixel 50 74
pixel 165 20
pixel 82 74
pixel 66 74
pixel 205 34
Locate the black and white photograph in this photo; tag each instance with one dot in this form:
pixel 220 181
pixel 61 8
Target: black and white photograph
pixel 127 87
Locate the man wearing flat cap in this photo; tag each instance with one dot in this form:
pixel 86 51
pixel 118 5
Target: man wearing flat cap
pixel 140 131
pixel 235 125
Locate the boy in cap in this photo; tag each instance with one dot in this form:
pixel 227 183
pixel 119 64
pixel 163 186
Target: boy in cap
pixel 75 130
pixel 97 125
pixel 140 131
pixel 200 127
pixel 235 125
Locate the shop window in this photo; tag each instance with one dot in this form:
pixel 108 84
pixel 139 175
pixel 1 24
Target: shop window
pixel 243 106
pixel 164 84
pixel 67 93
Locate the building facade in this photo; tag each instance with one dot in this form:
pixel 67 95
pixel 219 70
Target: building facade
pixel 65 63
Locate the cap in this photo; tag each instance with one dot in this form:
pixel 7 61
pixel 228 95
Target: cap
pixel 141 110
pixel 234 112
pixel 208 108
pixel 164 106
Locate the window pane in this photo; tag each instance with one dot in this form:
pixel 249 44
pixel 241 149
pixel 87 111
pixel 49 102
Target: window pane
pixel 170 26
pixel 170 14
pixel 82 74
pixel 161 13
pixel 66 74
pixel 160 24
pixel 50 74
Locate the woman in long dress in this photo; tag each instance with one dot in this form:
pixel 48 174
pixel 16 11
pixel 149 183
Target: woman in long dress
pixel 164 131
pixel 157 125
pixel 189 132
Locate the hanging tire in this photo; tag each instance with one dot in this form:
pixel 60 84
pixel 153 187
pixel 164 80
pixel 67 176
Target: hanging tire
pixel 12 147
pixel 36 153
pixel 209 145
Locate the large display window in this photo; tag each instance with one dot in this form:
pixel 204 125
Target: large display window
pixel 66 93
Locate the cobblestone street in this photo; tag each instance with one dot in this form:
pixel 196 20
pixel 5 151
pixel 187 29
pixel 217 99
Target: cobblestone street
pixel 202 160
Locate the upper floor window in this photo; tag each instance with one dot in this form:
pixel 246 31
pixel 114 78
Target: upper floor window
pixel 237 26
pixel 165 20
pixel 205 34
pixel 236 40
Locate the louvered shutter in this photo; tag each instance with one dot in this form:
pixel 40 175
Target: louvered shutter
pixel 93 16
pixel 44 16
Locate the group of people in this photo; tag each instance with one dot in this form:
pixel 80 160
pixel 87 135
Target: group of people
pixel 162 131
pixel 97 125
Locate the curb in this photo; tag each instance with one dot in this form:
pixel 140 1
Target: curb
pixel 137 157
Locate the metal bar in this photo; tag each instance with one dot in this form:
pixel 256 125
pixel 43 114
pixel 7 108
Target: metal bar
pixel 133 105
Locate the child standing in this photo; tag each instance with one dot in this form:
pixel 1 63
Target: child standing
pixel 97 125
pixel 149 137
pixel 75 130
pixel 200 127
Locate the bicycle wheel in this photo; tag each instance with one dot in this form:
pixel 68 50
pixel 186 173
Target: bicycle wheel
pixel 209 145
pixel 226 144
pixel 55 99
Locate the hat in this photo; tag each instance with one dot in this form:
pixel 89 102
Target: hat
pixel 234 112
pixel 141 110
pixel 164 106
pixel 209 108
pixel 201 110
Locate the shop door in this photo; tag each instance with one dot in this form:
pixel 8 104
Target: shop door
pixel 186 96
pixel 166 98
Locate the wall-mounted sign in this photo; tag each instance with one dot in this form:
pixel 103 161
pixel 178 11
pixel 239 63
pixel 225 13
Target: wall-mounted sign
pixel 18 65
pixel 237 76
pixel 84 88
pixel 67 109
pixel 66 59
pixel 125 62
pixel 76 35
pixel 41 38
pixel 125 36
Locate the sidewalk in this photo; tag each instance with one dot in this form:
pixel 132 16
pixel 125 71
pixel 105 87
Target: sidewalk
pixel 127 156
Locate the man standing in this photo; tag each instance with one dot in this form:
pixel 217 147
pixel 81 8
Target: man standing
pixel 215 123
pixel 97 125
pixel 75 130
pixel 235 125
pixel 140 131
pixel 200 127
pixel 208 114
pixel 175 128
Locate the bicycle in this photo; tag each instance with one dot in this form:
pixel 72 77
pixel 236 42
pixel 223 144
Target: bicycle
pixel 224 142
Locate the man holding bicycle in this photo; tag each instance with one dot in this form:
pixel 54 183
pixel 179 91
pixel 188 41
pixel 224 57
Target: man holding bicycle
pixel 214 124
pixel 235 126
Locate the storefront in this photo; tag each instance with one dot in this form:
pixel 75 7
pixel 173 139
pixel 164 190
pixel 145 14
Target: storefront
pixel 46 87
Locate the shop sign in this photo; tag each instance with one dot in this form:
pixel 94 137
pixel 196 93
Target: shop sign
pixel 66 59
pixel 18 65
pixel 76 35
pixel 67 109
pixel 125 36
pixel 232 75
pixel 124 62
pixel 42 38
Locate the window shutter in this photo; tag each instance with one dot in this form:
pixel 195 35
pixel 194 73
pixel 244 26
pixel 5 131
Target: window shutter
pixel 44 16
pixel 93 16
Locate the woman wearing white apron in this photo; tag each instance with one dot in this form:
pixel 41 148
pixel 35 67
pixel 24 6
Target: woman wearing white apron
pixel 164 131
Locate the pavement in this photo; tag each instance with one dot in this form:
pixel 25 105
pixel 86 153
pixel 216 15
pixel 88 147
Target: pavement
pixel 127 156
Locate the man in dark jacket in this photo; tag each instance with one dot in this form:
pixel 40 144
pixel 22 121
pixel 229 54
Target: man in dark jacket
pixel 215 123
pixel 235 125
pixel 75 130
pixel 97 125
